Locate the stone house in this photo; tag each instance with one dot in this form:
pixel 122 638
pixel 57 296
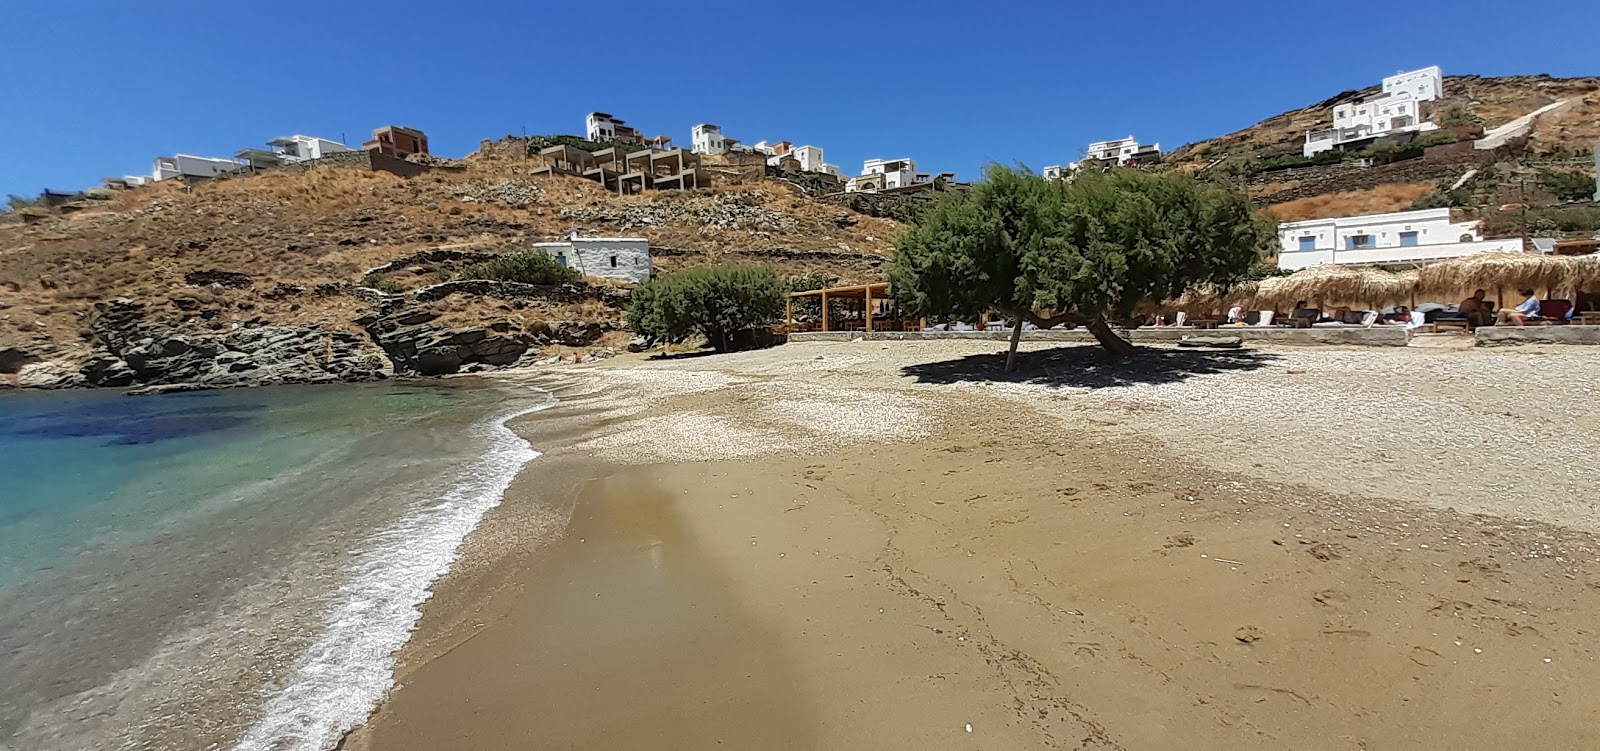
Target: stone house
pixel 625 259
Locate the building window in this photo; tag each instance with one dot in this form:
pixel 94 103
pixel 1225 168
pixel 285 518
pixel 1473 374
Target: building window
pixel 1308 243
pixel 561 258
pixel 1408 239
pixel 1358 242
pixel 613 262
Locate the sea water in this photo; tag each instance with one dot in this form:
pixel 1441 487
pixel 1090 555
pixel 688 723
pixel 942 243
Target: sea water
pixel 230 569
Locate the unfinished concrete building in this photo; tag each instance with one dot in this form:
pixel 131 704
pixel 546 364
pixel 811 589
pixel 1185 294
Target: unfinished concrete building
pixel 624 171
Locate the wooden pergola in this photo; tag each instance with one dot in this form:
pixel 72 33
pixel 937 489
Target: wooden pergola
pixel 868 294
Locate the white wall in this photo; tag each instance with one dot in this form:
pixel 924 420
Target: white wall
pixel 1423 85
pixel 185 165
pixel 1419 254
pixel 1433 227
pixel 599 128
pixel 707 139
pixel 623 258
pixel 810 158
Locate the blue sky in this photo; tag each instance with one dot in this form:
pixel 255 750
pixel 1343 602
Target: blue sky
pixel 101 87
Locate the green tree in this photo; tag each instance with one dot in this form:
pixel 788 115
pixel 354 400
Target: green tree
pixel 1084 251
pixel 526 266
pixel 726 304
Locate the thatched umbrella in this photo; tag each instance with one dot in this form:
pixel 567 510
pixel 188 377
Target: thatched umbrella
pixel 1498 271
pixel 1329 284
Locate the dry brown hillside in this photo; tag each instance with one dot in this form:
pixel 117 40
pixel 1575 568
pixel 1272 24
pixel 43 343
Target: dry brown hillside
pixel 329 225
pixel 1557 140
pixel 1494 100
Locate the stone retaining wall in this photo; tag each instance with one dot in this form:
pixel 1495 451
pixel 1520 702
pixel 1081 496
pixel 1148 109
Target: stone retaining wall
pixel 1394 336
pixel 1506 336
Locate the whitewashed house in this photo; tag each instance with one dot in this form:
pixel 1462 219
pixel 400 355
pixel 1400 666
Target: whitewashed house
pixel 301 148
pixel 625 259
pixel 188 165
pixel 601 126
pixel 889 174
pixel 1405 237
pixel 1397 110
pixel 706 138
pixel 1059 171
pixel 1123 150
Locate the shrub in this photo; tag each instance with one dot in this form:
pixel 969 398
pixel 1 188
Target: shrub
pixel 725 304
pixel 526 266
pixel 384 285
pixel 1568 186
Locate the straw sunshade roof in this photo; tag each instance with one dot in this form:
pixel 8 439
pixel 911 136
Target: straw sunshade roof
pixel 1331 284
pixel 1513 270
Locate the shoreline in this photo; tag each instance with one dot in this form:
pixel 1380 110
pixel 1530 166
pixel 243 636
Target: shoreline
pixel 895 588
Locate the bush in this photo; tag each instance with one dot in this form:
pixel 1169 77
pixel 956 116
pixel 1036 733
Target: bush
pixel 526 266
pixel 1568 186
pixel 384 285
pixel 725 304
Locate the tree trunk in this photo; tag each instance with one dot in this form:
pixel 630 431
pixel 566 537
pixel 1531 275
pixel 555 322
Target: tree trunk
pixel 1115 345
pixel 1016 336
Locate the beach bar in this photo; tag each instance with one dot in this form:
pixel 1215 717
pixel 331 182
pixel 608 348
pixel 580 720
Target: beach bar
pixel 862 307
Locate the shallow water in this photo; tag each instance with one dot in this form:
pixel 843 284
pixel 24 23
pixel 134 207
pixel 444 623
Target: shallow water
pixel 229 568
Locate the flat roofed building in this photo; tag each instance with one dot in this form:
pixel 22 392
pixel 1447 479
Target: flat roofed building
pixel 1404 237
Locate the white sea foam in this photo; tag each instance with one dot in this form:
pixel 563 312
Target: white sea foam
pixel 350 666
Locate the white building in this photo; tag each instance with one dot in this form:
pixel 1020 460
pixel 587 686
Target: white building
pixel 1122 150
pixel 622 258
pixel 299 148
pixel 1423 85
pixel 1059 171
pixel 707 139
pixel 1397 110
pixel 600 126
pixel 186 165
pixel 888 174
pixel 1405 237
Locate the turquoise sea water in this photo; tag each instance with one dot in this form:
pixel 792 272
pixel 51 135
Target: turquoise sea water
pixel 229 569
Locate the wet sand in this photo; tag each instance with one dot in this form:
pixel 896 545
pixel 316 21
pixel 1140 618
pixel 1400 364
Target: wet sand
pixel 1044 588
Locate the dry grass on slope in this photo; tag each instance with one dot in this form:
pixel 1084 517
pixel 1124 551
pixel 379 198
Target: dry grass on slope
pixel 1378 200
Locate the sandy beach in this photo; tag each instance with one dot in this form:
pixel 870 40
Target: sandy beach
pixel 846 545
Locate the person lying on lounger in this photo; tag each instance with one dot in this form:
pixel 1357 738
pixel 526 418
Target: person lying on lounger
pixel 1520 315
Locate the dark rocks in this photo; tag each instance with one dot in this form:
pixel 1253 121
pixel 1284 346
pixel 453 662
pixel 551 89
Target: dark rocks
pixel 226 279
pixel 283 291
pixel 13 358
pixel 104 369
pixel 130 350
pixel 640 344
pixel 417 347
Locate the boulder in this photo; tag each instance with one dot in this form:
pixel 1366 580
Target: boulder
pixel 13 358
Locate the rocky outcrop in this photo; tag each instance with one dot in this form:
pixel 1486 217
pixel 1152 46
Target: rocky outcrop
pixel 575 292
pixel 227 279
pixel 129 350
pixel 416 345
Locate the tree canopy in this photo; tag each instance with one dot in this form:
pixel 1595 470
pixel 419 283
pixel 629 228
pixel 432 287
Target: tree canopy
pixel 725 304
pixel 1083 251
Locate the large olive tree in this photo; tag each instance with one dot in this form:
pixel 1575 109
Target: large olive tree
pixel 1083 251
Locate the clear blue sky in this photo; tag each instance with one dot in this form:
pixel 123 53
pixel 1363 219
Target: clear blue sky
pixel 101 87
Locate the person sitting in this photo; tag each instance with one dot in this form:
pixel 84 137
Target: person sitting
pixel 1400 317
pixel 1475 310
pixel 1520 315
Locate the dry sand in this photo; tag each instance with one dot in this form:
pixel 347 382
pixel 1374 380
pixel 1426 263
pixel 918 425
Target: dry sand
pixel 860 545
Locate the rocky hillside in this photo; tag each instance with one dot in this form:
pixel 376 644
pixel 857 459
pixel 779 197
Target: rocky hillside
pixel 295 249
pixel 1262 155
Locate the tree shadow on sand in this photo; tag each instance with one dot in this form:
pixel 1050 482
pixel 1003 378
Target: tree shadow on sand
pixel 1086 366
